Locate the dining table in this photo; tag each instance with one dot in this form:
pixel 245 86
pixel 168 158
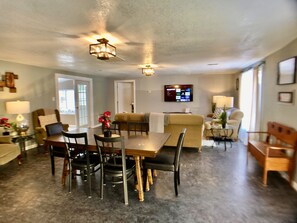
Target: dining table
pixel 137 145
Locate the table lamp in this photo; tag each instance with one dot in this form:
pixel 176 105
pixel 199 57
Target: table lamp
pixel 19 108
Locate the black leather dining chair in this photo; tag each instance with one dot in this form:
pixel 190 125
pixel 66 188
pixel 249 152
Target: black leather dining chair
pixel 166 162
pixel 79 158
pixel 116 167
pixel 56 129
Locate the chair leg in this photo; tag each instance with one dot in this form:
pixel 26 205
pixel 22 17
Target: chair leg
pixel 89 181
pixel 176 182
pixel 70 177
pixel 144 177
pixel 125 186
pixel 178 177
pixel 64 171
pixel 101 181
pixel 53 164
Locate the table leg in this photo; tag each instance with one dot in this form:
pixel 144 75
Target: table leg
pixel 139 178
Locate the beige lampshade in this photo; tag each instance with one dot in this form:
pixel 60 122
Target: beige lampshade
pixel 216 98
pixel 224 102
pixel 18 107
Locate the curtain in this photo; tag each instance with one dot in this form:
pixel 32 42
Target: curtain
pixel 250 100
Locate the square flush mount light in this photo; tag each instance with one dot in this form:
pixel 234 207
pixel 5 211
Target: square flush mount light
pixel 102 50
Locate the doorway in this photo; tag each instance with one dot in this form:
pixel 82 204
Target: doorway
pixel 74 100
pixel 124 96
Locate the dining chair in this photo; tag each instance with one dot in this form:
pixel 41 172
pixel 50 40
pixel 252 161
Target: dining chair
pixel 79 158
pixel 137 128
pixel 115 127
pixel 55 151
pixel 166 162
pixel 116 167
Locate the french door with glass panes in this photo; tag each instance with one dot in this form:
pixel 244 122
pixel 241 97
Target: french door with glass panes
pixel 82 105
pixel 74 100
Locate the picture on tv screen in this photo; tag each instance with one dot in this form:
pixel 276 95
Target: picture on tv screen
pixel 178 93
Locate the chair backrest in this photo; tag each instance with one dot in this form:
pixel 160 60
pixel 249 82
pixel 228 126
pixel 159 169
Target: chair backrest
pixel 137 127
pixel 115 127
pixel 54 129
pixel 111 148
pixel 76 144
pixel 179 147
pixel 43 112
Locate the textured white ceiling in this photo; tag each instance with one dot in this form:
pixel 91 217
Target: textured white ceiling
pixel 179 37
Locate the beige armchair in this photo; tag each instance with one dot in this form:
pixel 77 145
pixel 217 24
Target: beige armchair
pixel 8 150
pixel 234 119
pixel 42 117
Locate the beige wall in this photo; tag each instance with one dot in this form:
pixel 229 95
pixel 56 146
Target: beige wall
pixel 37 85
pixel 150 92
pixel 272 109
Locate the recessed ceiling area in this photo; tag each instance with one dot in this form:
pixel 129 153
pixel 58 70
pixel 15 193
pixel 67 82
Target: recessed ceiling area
pixel 176 37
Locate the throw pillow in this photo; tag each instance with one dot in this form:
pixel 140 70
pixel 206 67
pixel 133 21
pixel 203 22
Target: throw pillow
pixel 217 113
pixel 47 119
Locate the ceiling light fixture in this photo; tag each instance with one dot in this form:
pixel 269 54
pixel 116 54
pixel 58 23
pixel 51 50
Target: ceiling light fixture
pixel 102 50
pixel 148 70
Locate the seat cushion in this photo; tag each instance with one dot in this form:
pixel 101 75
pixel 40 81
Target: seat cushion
pixel 161 162
pixel 8 152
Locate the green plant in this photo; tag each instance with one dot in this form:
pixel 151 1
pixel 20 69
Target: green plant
pixel 223 118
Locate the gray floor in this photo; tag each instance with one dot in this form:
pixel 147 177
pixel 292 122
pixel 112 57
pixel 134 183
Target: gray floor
pixel 216 186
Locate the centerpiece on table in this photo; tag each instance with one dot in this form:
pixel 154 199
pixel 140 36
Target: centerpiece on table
pixel 105 120
pixel 6 125
pixel 223 118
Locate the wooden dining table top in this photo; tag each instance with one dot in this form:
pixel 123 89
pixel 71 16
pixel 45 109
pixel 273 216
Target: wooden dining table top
pixel 147 145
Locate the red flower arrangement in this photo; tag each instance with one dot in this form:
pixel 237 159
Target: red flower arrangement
pixel 4 123
pixel 105 119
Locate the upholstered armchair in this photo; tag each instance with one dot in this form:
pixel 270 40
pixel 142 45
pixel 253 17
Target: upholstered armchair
pixel 8 150
pixel 234 118
pixel 41 118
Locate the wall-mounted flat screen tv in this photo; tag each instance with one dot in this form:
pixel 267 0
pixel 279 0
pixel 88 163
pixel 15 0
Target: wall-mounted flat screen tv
pixel 178 93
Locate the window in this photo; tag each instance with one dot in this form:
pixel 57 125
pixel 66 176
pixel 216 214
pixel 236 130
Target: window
pixel 250 100
pixel 67 101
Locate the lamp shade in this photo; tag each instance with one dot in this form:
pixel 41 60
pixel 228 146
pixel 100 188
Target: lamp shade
pixel 216 98
pixel 229 102
pixel 18 107
pixel 224 102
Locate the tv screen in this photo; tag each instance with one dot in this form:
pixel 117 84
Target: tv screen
pixel 178 93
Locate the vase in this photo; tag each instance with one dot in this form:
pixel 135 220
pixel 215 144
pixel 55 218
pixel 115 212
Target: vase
pixel 107 133
pixel 224 125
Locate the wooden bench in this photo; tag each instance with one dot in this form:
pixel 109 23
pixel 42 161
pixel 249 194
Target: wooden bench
pixel 277 152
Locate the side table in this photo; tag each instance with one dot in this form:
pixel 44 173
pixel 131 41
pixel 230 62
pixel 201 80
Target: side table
pixel 21 140
pixel 220 134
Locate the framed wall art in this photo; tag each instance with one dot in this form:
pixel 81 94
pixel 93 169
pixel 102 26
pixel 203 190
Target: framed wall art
pixel 287 71
pixel 286 97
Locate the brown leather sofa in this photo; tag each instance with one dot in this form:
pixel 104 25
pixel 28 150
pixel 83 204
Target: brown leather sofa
pixel 40 132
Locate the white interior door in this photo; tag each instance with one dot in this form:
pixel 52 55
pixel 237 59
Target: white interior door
pixel 125 96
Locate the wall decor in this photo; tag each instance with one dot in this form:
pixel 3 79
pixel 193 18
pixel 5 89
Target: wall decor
pixel 287 71
pixel 285 97
pixel 237 84
pixel 8 81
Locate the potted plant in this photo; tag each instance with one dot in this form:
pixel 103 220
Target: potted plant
pixel 223 119
pixel 105 120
